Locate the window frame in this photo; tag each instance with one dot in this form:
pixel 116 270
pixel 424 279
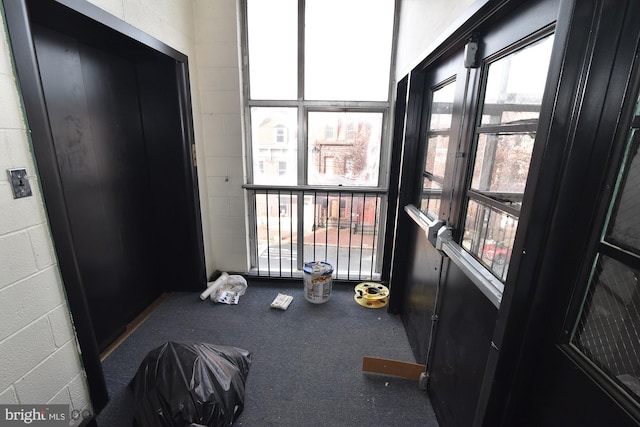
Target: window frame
pixel 282 167
pixel 428 133
pixel 305 106
pixel 300 138
pixel 484 200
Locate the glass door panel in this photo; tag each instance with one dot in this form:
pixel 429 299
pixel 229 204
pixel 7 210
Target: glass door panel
pixel 505 137
pixel 515 84
pixel 442 97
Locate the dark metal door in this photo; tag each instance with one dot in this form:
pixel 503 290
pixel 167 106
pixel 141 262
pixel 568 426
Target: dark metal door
pixel 583 354
pixel 472 169
pixel 432 97
pixel 493 165
pixel 94 114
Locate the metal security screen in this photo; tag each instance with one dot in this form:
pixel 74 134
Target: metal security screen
pixel 609 330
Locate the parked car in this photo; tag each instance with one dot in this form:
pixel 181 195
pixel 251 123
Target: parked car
pixel 497 252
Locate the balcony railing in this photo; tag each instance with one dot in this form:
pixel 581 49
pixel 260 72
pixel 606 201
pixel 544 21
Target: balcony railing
pixel 341 226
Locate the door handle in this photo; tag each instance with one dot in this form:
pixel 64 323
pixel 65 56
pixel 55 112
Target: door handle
pixel 443 235
pixel 486 282
pixel 433 230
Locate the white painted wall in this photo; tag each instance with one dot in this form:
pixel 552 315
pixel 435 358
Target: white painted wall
pixel 421 24
pixel 220 96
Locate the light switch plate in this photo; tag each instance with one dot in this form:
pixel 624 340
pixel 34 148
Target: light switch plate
pixel 19 183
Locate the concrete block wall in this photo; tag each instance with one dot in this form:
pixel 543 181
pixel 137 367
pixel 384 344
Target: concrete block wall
pixel 39 360
pixel 217 55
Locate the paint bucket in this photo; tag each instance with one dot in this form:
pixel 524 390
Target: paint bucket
pixel 318 280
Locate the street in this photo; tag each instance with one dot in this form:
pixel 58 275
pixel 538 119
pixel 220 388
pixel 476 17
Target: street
pixel 351 263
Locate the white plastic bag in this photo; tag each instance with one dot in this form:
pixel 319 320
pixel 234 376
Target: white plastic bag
pixel 231 290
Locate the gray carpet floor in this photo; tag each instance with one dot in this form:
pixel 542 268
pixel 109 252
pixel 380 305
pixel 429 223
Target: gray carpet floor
pixel 306 361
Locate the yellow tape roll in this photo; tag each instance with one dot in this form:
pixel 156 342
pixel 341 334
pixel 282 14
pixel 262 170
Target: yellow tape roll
pixel 371 295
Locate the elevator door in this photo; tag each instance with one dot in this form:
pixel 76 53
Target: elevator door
pixel 94 113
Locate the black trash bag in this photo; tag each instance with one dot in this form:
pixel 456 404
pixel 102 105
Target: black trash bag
pixel 190 384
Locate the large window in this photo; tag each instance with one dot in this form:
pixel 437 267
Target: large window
pixel 316 93
pixel 346 46
pixel 504 137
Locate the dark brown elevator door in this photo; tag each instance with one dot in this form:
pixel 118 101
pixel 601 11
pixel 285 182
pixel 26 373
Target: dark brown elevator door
pixel 94 113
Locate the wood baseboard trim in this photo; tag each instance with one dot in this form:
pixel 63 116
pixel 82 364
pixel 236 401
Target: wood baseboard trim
pixel 133 325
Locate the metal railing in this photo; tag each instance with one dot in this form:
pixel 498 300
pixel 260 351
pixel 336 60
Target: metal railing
pixel 342 226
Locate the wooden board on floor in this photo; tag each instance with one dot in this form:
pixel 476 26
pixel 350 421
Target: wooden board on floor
pixel 396 368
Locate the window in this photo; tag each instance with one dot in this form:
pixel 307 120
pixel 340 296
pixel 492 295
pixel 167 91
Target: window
pixel 284 207
pixel 504 139
pixel 348 167
pixel 272 33
pixel 334 75
pixel 338 35
pixel 323 105
pixel 280 134
pixel 439 129
pixel 267 125
pixel 362 153
pixel 329 132
pixel 328 166
pixel 351 131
